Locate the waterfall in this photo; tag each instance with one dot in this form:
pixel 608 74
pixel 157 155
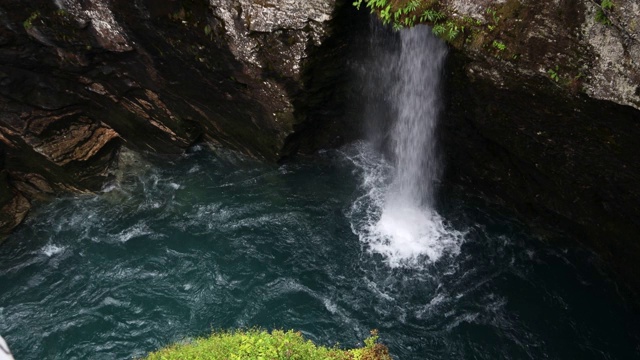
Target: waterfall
pixel 396 217
pixel 416 101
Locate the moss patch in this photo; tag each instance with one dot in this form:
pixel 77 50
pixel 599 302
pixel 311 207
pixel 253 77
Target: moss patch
pixel 260 344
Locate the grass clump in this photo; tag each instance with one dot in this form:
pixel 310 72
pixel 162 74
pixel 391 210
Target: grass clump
pixel 261 345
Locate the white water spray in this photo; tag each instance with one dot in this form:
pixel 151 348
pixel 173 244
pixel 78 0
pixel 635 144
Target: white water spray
pixel 397 216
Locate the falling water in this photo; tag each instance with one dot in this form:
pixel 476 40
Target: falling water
pixel 416 102
pixel 401 222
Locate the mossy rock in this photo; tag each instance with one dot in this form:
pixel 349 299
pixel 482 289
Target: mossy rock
pixel 260 344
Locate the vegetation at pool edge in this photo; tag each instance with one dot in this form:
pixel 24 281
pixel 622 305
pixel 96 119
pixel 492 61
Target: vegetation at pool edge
pixel 261 345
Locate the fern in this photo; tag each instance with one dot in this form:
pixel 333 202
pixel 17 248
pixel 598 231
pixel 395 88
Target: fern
pixel 452 31
pixel 431 16
pixel 438 30
pixel 411 6
pixel 385 15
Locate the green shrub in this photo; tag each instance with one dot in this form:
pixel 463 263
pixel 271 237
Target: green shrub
pixel 262 345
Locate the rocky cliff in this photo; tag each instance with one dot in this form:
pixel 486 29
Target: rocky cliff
pixel 543 116
pixel 80 79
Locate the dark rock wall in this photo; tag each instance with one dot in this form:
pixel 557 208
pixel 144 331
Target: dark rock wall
pixel 326 112
pixel 580 45
pixel 547 125
pixel 80 79
pixel 563 162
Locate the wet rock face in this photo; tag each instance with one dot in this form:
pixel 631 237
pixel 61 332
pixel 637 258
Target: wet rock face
pixel 274 33
pixel 99 17
pixel 14 206
pixel 615 74
pixel 272 40
pixel 80 79
pixel 548 125
pixel 580 45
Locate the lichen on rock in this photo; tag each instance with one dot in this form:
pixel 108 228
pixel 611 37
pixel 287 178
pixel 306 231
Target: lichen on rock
pixel 615 69
pixel 98 16
pixel 245 20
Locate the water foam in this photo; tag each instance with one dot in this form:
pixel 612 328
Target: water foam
pixel 52 249
pixel 410 232
pixel 138 230
pixel 405 233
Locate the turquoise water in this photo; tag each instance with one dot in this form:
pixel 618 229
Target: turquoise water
pixel 217 241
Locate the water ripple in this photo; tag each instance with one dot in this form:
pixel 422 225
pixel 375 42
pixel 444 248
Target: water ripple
pixel 234 243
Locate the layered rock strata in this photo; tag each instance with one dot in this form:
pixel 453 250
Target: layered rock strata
pixel 80 79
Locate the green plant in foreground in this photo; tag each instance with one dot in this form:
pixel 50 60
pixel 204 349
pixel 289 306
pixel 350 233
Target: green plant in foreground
pixel 260 344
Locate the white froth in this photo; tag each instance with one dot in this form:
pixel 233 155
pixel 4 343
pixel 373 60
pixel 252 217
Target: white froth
pixel 109 301
pixel 409 234
pixel 374 287
pixel 404 233
pixel 330 305
pixel 133 232
pixel 109 188
pixel 52 249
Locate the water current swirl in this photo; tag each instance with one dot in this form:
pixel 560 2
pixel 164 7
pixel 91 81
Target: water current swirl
pixel 217 241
